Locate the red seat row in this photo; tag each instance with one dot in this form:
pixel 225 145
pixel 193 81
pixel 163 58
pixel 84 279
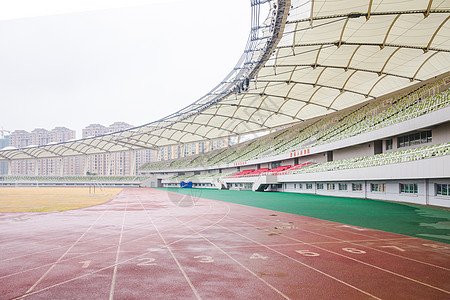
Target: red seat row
pixel 281 170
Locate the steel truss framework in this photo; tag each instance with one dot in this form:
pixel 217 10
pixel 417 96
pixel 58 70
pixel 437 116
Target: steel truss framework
pixel 306 59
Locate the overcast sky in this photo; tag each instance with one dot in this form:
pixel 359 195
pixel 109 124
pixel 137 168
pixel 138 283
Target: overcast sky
pixel 73 63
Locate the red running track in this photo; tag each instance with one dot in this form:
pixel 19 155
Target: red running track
pixel 151 244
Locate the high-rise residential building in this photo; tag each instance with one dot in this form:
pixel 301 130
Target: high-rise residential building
pixel 188 149
pixel 94 130
pixel 117 164
pixel 39 137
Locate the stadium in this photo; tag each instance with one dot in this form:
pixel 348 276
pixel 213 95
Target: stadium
pixel 337 186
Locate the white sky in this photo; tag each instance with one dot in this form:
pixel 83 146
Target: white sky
pixel 73 63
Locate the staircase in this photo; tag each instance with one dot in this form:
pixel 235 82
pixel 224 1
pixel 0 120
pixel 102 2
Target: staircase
pixel 263 182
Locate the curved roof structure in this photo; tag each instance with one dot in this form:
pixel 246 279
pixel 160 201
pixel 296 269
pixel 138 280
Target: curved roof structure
pixel 306 59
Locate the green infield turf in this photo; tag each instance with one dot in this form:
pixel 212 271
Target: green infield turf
pixel 413 220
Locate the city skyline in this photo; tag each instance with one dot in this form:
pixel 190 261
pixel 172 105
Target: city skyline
pixel 114 164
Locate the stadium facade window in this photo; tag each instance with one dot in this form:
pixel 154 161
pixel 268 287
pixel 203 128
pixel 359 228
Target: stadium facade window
pixel 389 144
pixel 295 186
pixel 414 139
pixel 342 186
pixel 330 186
pixel 319 186
pixel 378 187
pixel 443 189
pixel 356 187
pixel 300 186
pixel 309 186
pixel 408 188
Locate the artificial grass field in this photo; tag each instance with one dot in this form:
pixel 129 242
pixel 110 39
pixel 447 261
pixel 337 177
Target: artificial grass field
pixel 407 219
pixel 45 199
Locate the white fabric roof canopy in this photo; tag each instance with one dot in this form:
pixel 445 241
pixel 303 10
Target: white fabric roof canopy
pixel 309 58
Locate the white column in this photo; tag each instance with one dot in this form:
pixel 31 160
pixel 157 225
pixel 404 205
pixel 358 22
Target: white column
pixel 36 169
pixel 110 157
pixel 10 167
pixel 61 167
pixel 85 164
pixel 132 163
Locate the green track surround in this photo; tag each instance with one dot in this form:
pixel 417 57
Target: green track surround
pixel 431 223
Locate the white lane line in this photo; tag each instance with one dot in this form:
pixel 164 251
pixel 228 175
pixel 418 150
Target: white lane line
pixel 101 250
pixel 359 261
pixel 191 220
pixel 224 252
pixel 356 242
pixel 62 256
pixel 113 281
pixel 236 261
pixel 83 276
pixel 385 252
pixel 194 290
pixel 302 263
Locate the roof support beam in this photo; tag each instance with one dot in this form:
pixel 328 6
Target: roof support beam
pixel 389 30
pixel 386 62
pixel 427 13
pixel 368 93
pixel 351 57
pixel 286 98
pixel 369 10
pixel 292 73
pixel 343 68
pixel 417 72
pixel 275 62
pixel 293 39
pixel 435 33
pixel 329 86
pixel 293 99
pixel 366 44
pixel 372 14
pixel 345 83
pixel 317 57
pixel 307 103
pixel 342 32
pixel 318 77
pixel 332 102
pixel 240 119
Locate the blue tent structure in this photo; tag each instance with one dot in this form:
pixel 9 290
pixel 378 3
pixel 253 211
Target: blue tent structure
pixel 187 185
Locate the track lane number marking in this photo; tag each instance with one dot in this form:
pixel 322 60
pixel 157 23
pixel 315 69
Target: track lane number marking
pixel 85 263
pixel 354 250
pixel 146 261
pixel 394 247
pixel 307 253
pixel 258 256
pixel 434 246
pixel 204 259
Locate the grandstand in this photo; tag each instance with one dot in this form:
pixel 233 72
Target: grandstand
pixel 345 94
pixel 357 150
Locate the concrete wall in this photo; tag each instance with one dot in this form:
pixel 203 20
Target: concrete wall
pixel 426 193
pixel 365 149
pixel 441 133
